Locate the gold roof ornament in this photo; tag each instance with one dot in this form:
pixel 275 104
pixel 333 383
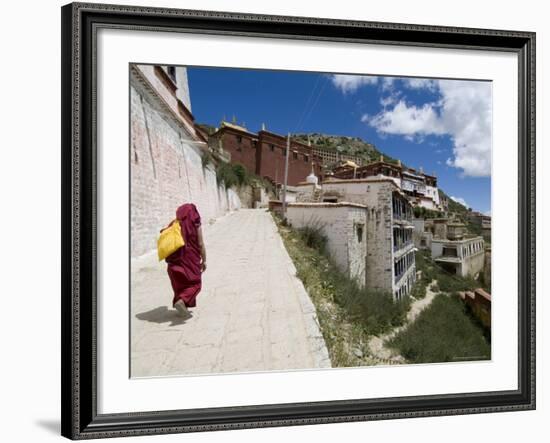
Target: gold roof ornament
pixel 233 126
pixel 350 163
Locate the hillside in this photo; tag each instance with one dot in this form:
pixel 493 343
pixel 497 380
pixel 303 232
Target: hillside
pixel 454 206
pixel 345 145
pixel 461 212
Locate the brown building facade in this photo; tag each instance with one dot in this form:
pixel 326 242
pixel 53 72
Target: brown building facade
pixel 264 153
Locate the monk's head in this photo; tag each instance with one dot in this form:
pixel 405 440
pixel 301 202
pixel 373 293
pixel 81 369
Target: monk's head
pixel 185 210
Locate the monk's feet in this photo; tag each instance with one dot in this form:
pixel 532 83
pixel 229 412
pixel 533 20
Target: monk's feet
pixel 182 309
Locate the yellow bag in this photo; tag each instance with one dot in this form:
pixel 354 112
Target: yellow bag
pixel 170 240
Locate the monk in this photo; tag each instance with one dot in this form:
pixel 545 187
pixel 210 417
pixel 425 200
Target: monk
pixel 186 265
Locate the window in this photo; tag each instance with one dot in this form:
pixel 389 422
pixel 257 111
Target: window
pixel 359 229
pixel 272 148
pixel 306 158
pixel 239 139
pixel 295 155
pixel 449 252
pixel 172 73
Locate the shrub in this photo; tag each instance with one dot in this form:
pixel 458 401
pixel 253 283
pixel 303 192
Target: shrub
pixel 206 159
pixel 443 332
pixel 241 173
pixel 445 281
pixel 375 311
pixel 452 283
pixel 419 289
pixel 422 212
pixel 225 175
pixel 232 175
pixel 312 235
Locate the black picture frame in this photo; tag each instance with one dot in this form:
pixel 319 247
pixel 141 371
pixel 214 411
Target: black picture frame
pixel 80 22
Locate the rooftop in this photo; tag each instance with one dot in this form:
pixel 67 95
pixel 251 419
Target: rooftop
pixel 326 205
pixel 374 179
pixel 456 242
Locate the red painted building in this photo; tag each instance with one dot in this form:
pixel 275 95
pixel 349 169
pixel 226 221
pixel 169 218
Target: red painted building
pixel 264 153
pixel 239 143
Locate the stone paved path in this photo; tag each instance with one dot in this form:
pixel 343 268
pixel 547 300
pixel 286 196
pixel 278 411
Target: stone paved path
pixel 253 313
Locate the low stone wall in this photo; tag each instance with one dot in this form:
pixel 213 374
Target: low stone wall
pixel 344 225
pixel 473 265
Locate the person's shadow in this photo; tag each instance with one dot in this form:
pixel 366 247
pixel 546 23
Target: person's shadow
pixel 163 315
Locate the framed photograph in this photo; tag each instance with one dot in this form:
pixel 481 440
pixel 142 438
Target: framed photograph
pixel 274 221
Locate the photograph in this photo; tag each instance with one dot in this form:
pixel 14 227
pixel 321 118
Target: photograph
pixel 287 220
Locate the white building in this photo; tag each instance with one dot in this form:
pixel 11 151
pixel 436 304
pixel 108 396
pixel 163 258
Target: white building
pixel 420 188
pixel 390 260
pixel 461 257
pixel 344 226
pixel 456 254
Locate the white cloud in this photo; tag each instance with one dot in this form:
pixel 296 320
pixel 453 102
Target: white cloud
pixel 388 100
pixel 463 112
pixel 387 83
pixel 350 83
pixel 467 114
pixel 420 83
pixel 460 200
pixel 407 120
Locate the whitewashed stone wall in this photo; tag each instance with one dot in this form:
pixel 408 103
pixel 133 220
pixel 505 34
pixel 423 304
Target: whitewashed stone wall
pixel 305 192
pixel 473 265
pixel 166 171
pixel 344 225
pixel 377 196
pixel 380 274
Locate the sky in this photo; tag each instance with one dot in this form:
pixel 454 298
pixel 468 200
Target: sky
pixel 443 126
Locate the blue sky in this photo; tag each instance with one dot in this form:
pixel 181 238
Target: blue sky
pixel 443 126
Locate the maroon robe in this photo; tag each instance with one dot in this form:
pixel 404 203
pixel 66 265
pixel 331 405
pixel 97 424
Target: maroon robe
pixel 184 265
